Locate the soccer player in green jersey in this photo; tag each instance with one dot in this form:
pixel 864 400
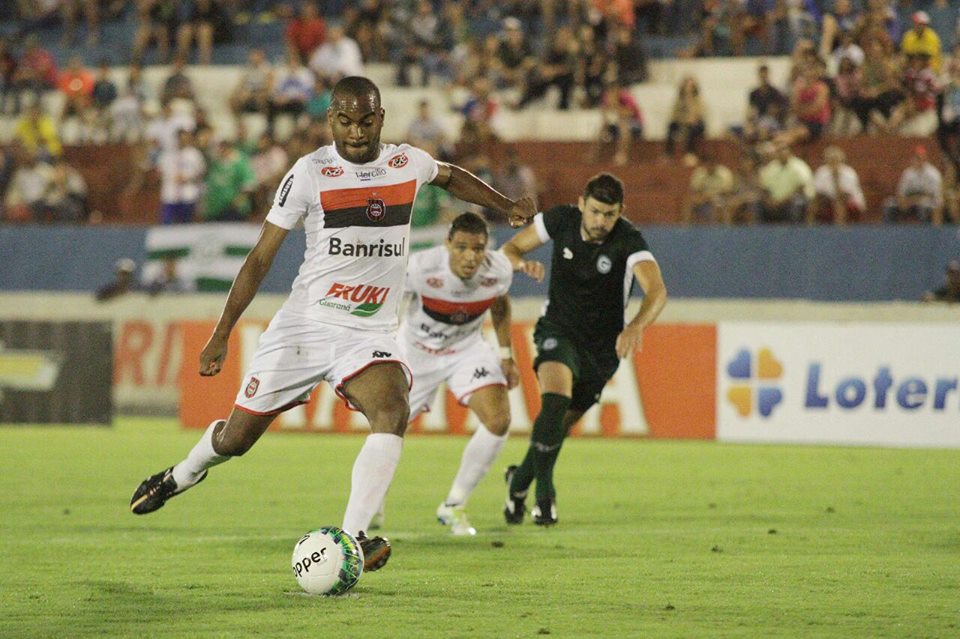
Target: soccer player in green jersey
pixel 581 336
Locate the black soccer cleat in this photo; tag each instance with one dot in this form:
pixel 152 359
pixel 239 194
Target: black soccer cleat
pixel 376 551
pixel 514 508
pixel 545 512
pixel 154 491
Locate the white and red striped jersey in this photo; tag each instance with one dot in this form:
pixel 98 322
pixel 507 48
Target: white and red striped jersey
pixel 446 313
pixel 357 221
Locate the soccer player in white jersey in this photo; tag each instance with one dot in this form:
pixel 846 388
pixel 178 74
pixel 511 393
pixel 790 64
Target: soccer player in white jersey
pixel 441 338
pixel 353 198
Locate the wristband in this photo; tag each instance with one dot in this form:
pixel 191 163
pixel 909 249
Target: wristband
pixel 506 352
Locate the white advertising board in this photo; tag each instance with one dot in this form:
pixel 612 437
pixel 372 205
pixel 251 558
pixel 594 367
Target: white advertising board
pixel 868 384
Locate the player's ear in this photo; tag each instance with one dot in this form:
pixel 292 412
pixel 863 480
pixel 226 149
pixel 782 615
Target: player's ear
pixel 581 204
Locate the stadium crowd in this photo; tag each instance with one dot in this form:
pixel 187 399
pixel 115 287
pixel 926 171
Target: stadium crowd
pixel 857 68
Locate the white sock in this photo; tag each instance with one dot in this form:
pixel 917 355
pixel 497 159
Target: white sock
pixel 372 473
pixel 201 457
pixel 477 458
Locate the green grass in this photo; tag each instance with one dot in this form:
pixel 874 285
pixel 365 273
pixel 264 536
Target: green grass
pixel 656 539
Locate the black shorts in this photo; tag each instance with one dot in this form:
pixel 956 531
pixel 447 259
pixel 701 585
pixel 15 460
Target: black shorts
pixel 591 369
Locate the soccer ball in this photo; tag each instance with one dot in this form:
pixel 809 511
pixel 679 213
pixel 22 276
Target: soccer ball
pixel 327 561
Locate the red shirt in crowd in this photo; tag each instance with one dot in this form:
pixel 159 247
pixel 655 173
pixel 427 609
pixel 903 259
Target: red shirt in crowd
pixel 306 35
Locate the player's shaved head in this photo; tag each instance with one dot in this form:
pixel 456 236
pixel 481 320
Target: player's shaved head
pixel 355 93
pixel 356 118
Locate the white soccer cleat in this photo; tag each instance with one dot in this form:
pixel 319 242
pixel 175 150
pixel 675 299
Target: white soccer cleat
pixel 456 518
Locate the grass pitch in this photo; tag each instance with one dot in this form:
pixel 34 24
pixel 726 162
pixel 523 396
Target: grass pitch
pixel 656 539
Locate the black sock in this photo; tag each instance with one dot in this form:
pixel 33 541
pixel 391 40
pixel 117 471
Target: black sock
pixel 544 447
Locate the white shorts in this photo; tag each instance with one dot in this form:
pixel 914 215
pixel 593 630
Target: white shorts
pixel 296 353
pixel 465 372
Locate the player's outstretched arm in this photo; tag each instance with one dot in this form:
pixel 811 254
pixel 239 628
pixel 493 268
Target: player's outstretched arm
pixel 654 299
pixel 518 246
pixel 244 288
pixel 468 187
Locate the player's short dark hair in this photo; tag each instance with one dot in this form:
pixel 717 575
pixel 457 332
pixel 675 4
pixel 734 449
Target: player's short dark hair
pixel 468 223
pixel 605 188
pixel 357 86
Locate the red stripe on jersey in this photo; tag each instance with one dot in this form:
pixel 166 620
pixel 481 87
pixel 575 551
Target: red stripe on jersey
pixel 391 194
pixel 448 308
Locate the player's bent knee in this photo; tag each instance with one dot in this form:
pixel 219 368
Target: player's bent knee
pixel 498 424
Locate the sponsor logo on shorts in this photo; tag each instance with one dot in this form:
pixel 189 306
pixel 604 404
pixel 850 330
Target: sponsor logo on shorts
pixel 549 344
pixel 604 264
pixel 480 373
pixel 398 161
pixel 252 387
pixel 368 298
pixel 332 171
pixel 365 175
pixel 435 282
pixel 360 249
pixel 488 281
pixel 285 190
pixel 381 354
pixel 376 210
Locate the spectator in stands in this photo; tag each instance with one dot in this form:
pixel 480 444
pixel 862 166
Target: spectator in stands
pixel 425 42
pixel 707 201
pixel 206 22
pixel 766 99
pixel 842 20
pixel 921 87
pixel 305 32
pixel 178 84
pixel 36 72
pixel 427 131
pixel 921 39
pixel 880 91
pixel 230 184
pixel 513 177
pixel 70 9
pixel 291 90
pixel 628 56
pixel 787 183
pixel 127 114
pixel 621 122
pixel 919 195
pixel 320 99
pixel 374 25
pixel 76 85
pixel 810 106
pixel 480 112
pixel 847 49
pixel 181 177
pixel 592 66
pixel 269 162
pixel 880 21
pixel 556 68
pixel 252 93
pixel 950 291
pixel 102 99
pixel 514 57
pixel 157 21
pixel 849 84
pixel 65 199
pixel 948 120
pixel 744 201
pixel 8 69
pixel 433 206
pixel 338 57
pixel 8 165
pixel 687 120
pixel 838 197
pixel 124 281
pixel 36 132
pixel 23 201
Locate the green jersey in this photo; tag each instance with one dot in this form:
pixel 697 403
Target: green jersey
pixel 590 283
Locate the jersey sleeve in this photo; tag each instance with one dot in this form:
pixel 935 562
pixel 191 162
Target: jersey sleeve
pixel 549 223
pixel 637 250
pixel 424 164
pixel 294 197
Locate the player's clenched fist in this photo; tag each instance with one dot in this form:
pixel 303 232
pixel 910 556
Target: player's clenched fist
pixel 522 211
pixel 212 356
